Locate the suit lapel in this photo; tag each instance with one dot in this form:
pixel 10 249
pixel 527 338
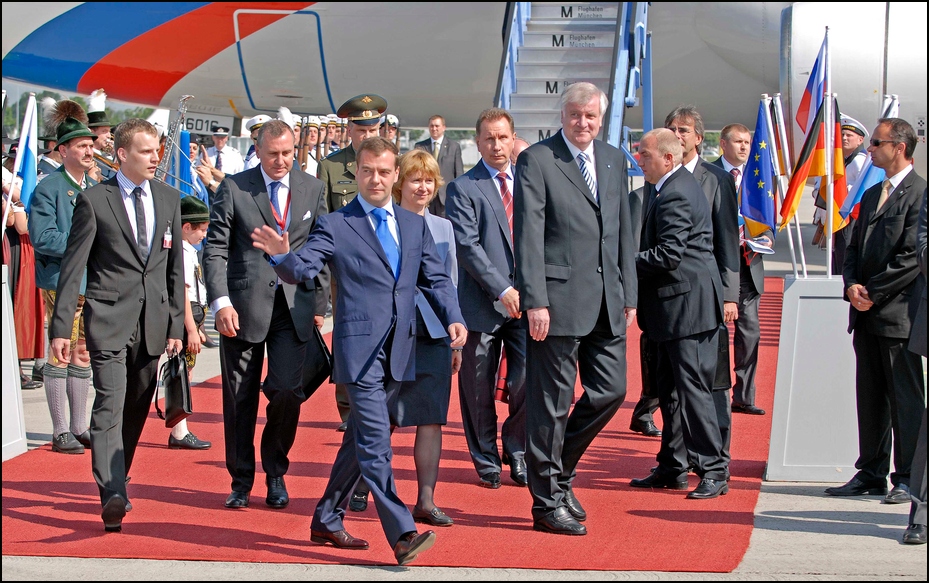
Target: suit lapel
pixel 162 224
pixel 487 187
pixel 604 172
pixel 358 220
pixel 895 196
pixel 299 202
pixel 565 162
pixel 260 195
pixel 115 198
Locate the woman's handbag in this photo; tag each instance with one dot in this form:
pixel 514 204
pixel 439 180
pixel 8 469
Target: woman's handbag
pixel 177 391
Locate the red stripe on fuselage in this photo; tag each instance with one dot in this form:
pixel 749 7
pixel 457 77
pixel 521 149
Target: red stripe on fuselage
pixel 144 69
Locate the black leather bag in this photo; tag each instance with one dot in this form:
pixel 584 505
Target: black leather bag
pixel 317 365
pixel 176 386
pixel 723 378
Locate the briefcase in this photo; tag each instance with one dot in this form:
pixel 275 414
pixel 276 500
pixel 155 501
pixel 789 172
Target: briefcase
pixel 176 386
pixel 723 378
pixel 648 360
pixel 317 365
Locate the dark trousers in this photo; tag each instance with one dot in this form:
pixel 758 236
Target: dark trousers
pixel 476 385
pixel 918 478
pixel 365 452
pixel 241 363
pixel 124 384
pixel 891 397
pixel 745 344
pixel 685 374
pixel 557 435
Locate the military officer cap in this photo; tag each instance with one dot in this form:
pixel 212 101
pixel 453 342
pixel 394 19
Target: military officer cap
pixel 220 131
pixel 312 121
pixel 194 210
pixel 298 122
pixel 363 110
pixel 850 123
pixel 392 120
pixel 256 122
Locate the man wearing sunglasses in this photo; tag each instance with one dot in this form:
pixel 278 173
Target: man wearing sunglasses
pixel 883 286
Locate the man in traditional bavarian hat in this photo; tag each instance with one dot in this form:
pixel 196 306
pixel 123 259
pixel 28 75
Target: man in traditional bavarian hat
pixel 338 174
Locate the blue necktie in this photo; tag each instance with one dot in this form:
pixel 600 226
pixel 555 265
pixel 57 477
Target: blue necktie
pixel 274 188
pixel 387 240
pixel 588 177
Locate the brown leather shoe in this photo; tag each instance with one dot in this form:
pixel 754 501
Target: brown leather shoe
pixel 340 539
pixel 411 544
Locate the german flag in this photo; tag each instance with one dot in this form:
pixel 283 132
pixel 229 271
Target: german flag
pixel 812 162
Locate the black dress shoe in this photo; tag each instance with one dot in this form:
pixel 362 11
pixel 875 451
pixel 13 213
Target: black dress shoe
pixel 648 428
pixel 491 480
pixel 189 441
pixel 574 507
pixel 411 544
pixel 435 517
pixel 28 384
pixel 209 342
pixel 899 495
pixel 113 512
pixel 358 502
pixel 84 438
pixel 67 443
pixel 518 472
pixel 709 489
pixel 560 521
pixel 339 539
pixel 237 500
pixel 277 492
pixel 915 535
pixel 342 427
pixel 856 487
pixel 748 409
pixel 656 480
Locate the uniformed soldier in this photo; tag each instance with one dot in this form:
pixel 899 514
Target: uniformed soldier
pixel 312 139
pixel 337 172
pixel 335 134
pixel 100 126
pixel 223 158
pixel 253 125
pixel 390 128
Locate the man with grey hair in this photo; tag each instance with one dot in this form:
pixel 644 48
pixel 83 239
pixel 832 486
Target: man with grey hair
pixel 681 305
pixel 575 274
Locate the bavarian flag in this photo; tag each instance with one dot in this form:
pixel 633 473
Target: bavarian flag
pixel 757 199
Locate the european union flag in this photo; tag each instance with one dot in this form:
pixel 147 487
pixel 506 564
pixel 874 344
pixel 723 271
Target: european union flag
pixel 757 204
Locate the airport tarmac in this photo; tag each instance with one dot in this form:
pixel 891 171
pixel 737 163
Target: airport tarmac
pixel 799 533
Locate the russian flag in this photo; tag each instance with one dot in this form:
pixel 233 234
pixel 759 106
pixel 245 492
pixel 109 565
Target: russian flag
pixel 26 163
pixel 814 92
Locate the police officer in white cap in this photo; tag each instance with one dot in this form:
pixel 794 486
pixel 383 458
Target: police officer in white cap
pixel 253 125
pixel 224 158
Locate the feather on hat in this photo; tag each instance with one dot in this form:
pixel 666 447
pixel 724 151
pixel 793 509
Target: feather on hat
pixel 56 112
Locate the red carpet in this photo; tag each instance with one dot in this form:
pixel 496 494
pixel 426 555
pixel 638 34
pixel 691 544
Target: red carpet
pixel 51 506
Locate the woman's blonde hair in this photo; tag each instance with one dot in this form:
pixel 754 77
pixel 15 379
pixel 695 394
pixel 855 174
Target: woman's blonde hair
pixel 415 163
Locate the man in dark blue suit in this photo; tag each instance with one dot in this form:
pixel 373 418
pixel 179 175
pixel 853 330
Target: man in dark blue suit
pixel 379 253
pixel 480 207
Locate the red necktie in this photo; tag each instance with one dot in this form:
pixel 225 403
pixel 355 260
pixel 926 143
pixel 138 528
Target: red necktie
pixel 735 176
pixel 507 200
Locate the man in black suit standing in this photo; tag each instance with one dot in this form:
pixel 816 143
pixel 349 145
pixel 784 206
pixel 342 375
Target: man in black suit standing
pixel 480 207
pixel 735 141
pixel 575 274
pixel 447 153
pixel 681 309
pixel 254 310
pixel 719 188
pixel 883 286
pixel 127 232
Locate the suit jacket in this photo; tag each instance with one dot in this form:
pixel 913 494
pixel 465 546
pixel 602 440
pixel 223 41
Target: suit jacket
pixel 571 252
pixel 882 257
pixel 719 188
pixel 50 216
pixel 485 248
pixel 337 171
pixel 918 334
pixel 680 289
pixel 370 302
pixel 450 165
pixel 444 237
pixel 122 289
pixel 752 271
pixel 233 267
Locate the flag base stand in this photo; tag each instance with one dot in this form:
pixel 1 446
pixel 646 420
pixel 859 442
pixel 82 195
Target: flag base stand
pixel 14 424
pixel 814 426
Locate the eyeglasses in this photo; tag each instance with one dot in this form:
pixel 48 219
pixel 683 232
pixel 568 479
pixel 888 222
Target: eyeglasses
pixel 877 143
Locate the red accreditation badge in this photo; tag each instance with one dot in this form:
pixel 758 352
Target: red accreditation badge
pixel 168 239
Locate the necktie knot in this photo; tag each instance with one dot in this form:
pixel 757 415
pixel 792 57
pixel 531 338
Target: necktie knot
pixel 735 173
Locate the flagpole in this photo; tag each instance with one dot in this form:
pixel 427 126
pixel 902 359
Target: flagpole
pixel 829 136
pixel 766 100
pixel 784 178
pixel 16 170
